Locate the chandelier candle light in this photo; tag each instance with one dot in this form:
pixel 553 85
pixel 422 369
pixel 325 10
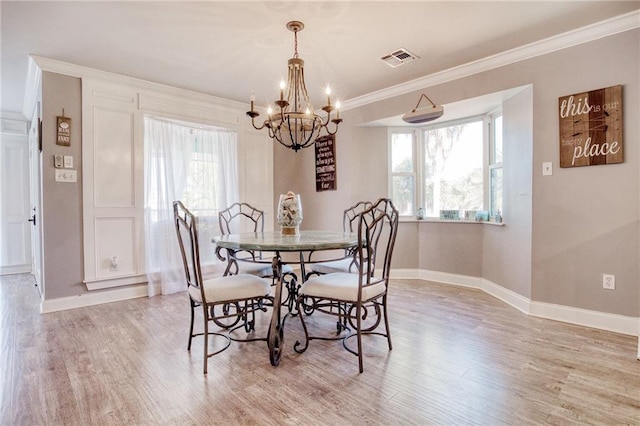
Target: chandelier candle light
pixel 294 122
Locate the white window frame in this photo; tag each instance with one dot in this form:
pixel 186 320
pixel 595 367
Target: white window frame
pixel 418 152
pixel 490 158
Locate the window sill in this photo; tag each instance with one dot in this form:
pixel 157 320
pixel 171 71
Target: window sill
pixel 436 220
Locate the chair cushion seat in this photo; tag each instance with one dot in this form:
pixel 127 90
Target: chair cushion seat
pixel 231 287
pixel 341 286
pixel 342 265
pixel 260 269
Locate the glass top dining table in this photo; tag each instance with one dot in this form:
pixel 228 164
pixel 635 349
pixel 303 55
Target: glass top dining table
pixel 275 242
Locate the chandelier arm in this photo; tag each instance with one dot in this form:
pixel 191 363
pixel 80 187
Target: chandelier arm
pixel 336 123
pixel 253 123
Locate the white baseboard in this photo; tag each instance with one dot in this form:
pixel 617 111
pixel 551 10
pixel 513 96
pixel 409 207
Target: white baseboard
pixel 594 319
pixel 509 297
pixel 15 269
pixel 584 317
pixel 93 298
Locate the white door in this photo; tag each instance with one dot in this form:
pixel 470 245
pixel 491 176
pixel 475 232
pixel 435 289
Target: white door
pixel 15 246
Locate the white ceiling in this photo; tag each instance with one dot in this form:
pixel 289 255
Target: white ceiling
pixel 233 48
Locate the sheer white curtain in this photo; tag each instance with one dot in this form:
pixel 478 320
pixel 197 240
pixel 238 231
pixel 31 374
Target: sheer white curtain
pixel 194 164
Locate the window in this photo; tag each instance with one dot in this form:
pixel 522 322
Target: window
pixel 197 165
pixel 444 166
pixel 452 164
pixel 403 175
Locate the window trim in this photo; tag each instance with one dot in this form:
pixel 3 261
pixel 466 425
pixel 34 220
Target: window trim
pixel 493 115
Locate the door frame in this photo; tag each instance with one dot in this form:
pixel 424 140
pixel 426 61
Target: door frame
pixel 35 185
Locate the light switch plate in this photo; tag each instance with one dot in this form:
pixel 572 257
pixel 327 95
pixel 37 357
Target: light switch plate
pixel 68 162
pixel 66 176
pixel 547 168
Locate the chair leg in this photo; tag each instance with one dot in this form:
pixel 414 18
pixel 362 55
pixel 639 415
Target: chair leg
pixel 386 320
pixel 206 341
pixel 304 327
pixel 191 326
pixel 359 335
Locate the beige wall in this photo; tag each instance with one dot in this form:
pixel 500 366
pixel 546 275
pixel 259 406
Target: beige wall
pixel 454 248
pixel 295 171
pixel 61 202
pixel 586 219
pixel 507 250
pixel 566 229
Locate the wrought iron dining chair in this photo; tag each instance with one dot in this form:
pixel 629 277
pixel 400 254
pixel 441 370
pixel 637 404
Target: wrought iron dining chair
pixel 232 219
pixel 226 300
pixel 243 216
pixel 350 296
pixel 348 263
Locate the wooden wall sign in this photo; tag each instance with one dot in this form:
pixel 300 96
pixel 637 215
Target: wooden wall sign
pixel 326 163
pixel 591 128
pixel 63 134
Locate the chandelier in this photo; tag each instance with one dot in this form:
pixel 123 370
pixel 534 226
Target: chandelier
pixel 294 122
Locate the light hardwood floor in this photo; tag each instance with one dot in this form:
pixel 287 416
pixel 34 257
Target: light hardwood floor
pixel 460 357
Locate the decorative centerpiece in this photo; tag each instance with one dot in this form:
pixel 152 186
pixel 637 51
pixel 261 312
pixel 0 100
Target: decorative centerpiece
pixel 290 213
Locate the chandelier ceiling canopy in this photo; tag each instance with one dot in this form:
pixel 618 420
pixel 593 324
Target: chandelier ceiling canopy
pixel 293 122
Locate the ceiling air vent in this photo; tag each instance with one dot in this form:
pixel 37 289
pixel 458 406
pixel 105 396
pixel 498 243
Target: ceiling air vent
pixel 399 57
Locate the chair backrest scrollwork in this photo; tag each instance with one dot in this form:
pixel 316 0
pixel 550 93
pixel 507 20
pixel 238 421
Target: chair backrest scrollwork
pixel 239 213
pixel 187 232
pixel 349 219
pixel 380 219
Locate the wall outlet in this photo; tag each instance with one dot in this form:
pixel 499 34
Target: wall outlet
pixel 608 281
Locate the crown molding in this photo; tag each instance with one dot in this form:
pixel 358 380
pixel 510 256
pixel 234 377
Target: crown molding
pixel 79 71
pixel 609 27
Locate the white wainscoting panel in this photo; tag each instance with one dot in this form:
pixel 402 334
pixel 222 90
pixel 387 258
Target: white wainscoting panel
pixel 113 158
pixel 113 109
pixel 113 182
pixel 116 252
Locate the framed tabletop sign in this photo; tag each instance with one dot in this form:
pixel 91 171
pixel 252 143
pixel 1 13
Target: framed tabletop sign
pixel 591 128
pixel 326 163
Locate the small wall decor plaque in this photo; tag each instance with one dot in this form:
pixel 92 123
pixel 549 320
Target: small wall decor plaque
pixel 63 134
pixel 591 127
pixel 326 163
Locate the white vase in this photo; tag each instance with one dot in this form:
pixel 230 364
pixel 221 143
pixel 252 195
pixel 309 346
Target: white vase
pixel 289 213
